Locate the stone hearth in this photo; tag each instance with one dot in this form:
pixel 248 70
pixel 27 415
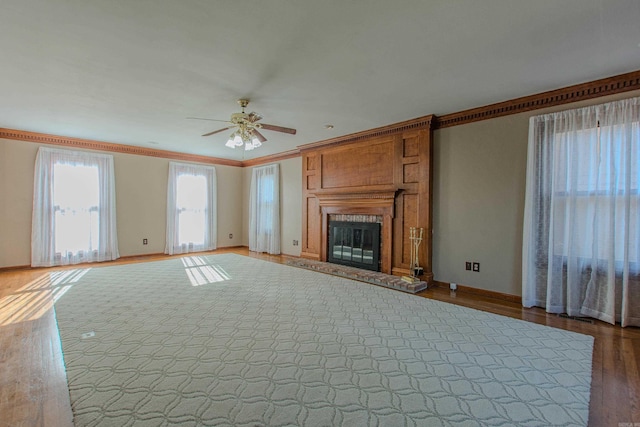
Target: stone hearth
pixel 375 278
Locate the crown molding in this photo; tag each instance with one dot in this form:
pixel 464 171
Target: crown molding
pixel 88 144
pixel 424 122
pixel 580 92
pixel 272 158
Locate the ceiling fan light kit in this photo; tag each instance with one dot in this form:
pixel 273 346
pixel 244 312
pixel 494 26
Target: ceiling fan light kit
pixel 247 132
pixel 239 138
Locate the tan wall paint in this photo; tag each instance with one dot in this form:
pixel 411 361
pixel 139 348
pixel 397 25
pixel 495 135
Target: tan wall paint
pixel 478 204
pixel 16 199
pixel 246 188
pixel 230 201
pixel 141 193
pixel 141 196
pixel 290 205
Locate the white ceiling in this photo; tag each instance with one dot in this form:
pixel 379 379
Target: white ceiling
pixel 131 71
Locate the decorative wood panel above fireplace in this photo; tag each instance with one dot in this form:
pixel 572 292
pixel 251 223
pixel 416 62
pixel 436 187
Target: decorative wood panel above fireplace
pixel 385 172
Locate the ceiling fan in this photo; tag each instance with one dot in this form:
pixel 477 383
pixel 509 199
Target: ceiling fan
pixel 246 128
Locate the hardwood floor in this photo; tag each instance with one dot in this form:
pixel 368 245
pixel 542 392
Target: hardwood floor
pixel 615 380
pixel 33 389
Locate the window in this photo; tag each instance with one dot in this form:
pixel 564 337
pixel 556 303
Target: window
pixel 191 208
pixel 581 237
pixel 76 194
pixel 74 217
pixel 267 198
pixel 264 210
pixel 591 171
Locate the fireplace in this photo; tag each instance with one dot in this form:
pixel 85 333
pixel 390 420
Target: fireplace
pixel 356 244
pixel 386 172
pixel 372 206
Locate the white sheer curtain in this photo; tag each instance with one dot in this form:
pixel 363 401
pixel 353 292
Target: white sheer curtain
pixel 264 209
pixel 191 208
pixel 581 242
pixel 74 208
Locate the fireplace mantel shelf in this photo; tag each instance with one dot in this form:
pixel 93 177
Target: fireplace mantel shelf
pixel 327 197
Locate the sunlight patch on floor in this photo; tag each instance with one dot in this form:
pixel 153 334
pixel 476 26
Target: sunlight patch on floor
pixel 200 272
pixel 34 299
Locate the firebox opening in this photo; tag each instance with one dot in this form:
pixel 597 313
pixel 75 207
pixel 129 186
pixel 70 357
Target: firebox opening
pixel 356 244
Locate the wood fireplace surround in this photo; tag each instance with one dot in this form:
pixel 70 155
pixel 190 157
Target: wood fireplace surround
pixel 385 172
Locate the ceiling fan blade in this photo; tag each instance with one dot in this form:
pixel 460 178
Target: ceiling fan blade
pixel 258 135
pixel 216 131
pixel 254 117
pixel 278 128
pixel 209 120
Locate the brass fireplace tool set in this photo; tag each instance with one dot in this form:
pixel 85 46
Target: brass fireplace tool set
pixel 415 236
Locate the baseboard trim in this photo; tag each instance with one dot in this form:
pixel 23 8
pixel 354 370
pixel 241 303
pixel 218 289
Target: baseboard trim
pixel 16 267
pixel 143 255
pixel 140 257
pixel 482 292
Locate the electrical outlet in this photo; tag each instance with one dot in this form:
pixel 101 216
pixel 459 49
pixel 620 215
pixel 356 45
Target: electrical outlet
pixel 476 267
pixel 231 235
pixel 295 243
pixel 467 266
pixel 145 241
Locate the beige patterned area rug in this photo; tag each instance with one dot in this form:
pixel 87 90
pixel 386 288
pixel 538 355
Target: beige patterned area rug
pixel 228 340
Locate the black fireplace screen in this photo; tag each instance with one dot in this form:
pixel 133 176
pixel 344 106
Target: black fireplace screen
pixel 354 243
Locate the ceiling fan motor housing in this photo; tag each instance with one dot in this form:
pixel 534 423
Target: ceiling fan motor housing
pixel 239 117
